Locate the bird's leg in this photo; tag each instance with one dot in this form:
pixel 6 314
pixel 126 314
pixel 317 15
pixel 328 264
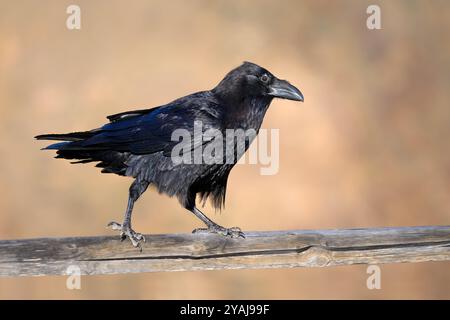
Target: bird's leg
pixel 213 227
pixel 136 189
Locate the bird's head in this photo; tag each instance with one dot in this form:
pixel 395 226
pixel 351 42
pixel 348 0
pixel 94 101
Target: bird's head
pixel 251 80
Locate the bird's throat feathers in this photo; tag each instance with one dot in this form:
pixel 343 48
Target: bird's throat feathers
pixel 248 113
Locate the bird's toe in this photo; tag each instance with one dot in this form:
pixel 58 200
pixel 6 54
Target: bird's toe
pixel 135 238
pixel 201 230
pixel 233 232
pixel 114 225
pixel 126 232
pixel 138 236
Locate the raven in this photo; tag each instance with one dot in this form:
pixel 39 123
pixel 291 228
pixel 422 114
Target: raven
pixel 139 143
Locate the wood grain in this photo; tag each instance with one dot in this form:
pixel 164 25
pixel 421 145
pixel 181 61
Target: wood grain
pixel 183 252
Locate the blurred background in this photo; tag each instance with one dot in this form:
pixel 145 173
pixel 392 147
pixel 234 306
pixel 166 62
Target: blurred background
pixel 368 148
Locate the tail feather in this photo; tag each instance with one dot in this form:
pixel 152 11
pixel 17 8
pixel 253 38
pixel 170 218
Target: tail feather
pixel 73 136
pixel 56 146
pixel 72 148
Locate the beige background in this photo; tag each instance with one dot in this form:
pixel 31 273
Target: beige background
pixel 368 148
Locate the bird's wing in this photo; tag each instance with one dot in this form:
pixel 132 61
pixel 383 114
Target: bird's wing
pixel 128 114
pixel 151 131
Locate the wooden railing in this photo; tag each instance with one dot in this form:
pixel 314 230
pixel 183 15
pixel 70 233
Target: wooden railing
pixel 182 252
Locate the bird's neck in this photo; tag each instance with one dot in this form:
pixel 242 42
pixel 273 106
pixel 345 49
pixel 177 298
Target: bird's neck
pixel 247 113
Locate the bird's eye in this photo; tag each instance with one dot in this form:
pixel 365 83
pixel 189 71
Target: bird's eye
pixel 264 78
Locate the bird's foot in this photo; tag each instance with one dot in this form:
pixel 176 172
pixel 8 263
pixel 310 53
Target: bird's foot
pixel 126 231
pixel 233 232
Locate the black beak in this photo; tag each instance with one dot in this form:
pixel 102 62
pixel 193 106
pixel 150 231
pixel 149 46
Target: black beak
pixel 284 90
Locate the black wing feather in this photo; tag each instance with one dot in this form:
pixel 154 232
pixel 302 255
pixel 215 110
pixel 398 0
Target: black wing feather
pixel 149 131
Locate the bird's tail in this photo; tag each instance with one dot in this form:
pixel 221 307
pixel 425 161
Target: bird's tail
pixel 72 148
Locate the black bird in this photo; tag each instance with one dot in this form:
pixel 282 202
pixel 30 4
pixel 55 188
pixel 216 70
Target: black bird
pixel 139 143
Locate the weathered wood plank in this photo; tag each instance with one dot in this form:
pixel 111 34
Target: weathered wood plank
pixel 182 252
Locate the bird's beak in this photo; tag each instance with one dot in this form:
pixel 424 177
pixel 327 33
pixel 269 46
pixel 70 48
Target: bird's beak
pixel 285 90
